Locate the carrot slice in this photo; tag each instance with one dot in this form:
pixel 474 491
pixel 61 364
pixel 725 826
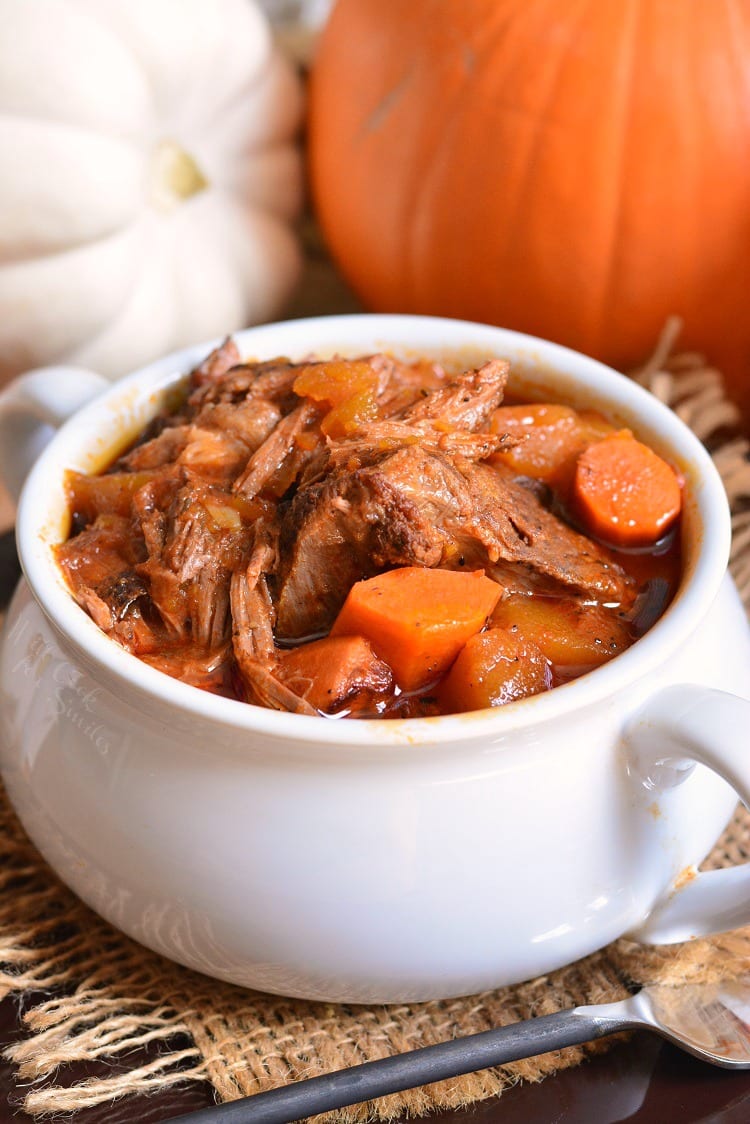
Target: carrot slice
pixel 492 669
pixel 624 492
pixel 418 619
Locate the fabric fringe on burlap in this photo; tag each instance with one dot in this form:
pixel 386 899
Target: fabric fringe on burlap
pixel 88 993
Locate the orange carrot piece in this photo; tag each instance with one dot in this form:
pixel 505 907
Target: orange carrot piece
pixel 569 633
pixel 492 669
pixel 349 386
pixel 624 492
pixel 334 672
pixel 550 438
pixel 418 619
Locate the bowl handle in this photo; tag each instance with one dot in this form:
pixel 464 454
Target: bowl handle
pixel 674 730
pixel 31 409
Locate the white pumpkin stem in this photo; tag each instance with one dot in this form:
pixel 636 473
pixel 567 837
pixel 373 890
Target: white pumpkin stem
pixel 175 176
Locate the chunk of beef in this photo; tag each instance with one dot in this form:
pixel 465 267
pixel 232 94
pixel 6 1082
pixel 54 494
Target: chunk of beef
pixel 372 441
pixel 466 402
pixel 123 592
pixel 271 380
pixel 208 669
pixel 276 464
pixel 192 552
pixel 418 506
pixel 216 364
pixel 217 446
pixel 212 454
pixel 161 450
pixel 253 613
pixel 252 633
pixel 98 565
pixel 337 672
pixel 249 422
pixel 325 547
pixel 513 525
pixel 408 384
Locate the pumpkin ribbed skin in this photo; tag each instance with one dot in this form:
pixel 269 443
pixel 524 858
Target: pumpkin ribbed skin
pixel 150 178
pixel 575 169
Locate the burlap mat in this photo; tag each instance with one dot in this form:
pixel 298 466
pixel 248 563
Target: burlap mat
pixel 104 995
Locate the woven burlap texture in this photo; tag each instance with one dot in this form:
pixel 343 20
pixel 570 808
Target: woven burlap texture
pixel 104 995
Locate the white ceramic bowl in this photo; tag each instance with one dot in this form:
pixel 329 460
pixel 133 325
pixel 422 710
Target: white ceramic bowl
pixel 375 861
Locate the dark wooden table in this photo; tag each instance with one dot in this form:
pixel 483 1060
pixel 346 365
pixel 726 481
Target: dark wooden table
pixel 643 1080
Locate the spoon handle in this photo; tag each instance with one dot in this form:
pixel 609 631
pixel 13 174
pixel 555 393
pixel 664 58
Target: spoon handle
pixel 407 1071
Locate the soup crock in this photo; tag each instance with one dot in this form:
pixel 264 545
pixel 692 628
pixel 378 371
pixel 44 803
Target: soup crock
pixel 374 861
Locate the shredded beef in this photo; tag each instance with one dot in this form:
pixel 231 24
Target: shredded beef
pixel 466 402
pixel 253 525
pixel 216 365
pixel 422 507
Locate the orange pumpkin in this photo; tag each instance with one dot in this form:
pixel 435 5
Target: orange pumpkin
pixel 579 171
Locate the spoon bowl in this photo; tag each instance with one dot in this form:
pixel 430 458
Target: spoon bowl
pixel 711 1021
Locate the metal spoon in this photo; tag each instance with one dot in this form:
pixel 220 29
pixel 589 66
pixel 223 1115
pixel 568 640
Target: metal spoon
pixel 711 1021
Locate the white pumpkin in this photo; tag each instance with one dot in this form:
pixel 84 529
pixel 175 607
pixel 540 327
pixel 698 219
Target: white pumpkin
pixel 149 176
